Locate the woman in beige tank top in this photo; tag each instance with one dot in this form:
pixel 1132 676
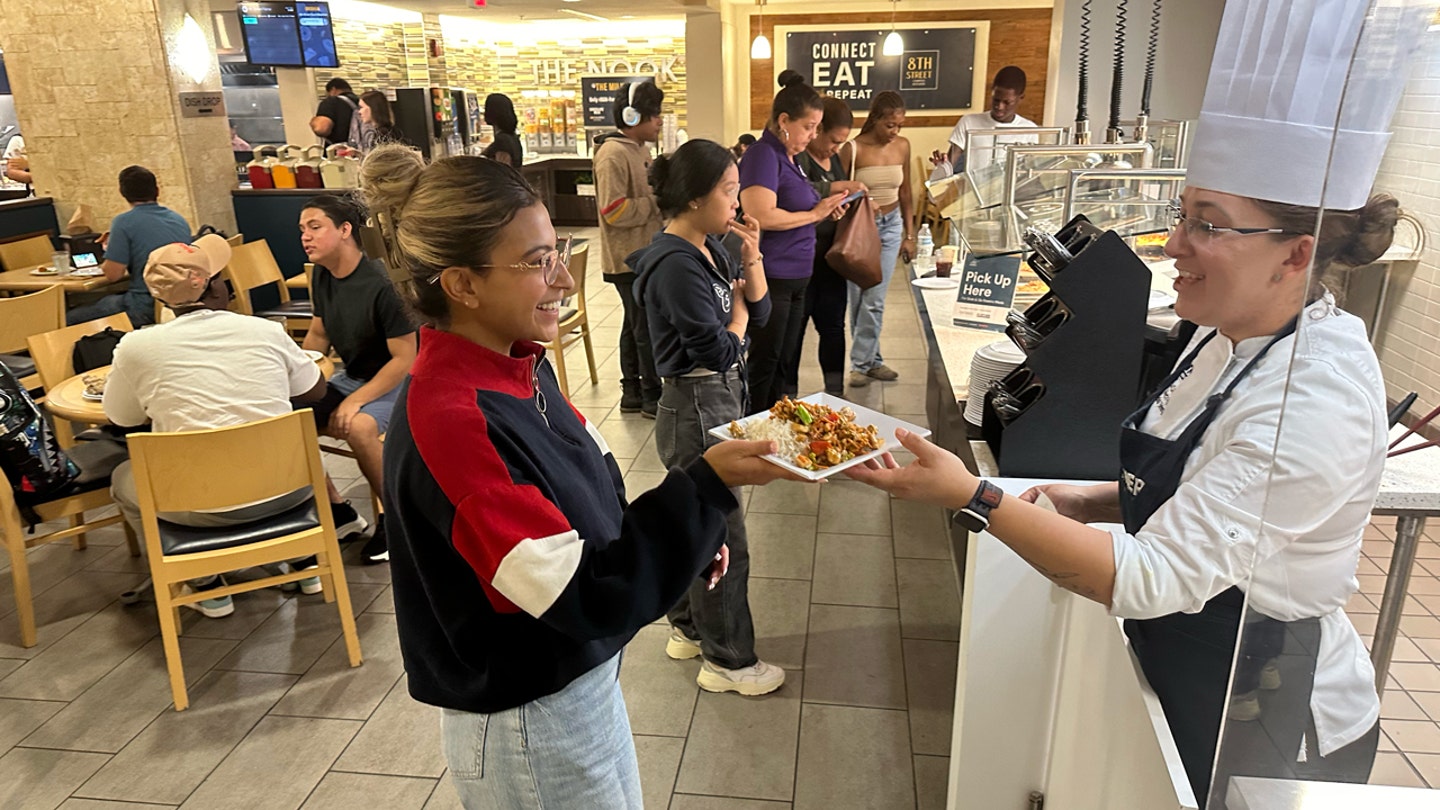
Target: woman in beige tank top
pixel 880 158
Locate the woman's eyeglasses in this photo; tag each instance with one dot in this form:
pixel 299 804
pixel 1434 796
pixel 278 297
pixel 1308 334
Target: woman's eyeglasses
pixel 1196 228
pixel 549 264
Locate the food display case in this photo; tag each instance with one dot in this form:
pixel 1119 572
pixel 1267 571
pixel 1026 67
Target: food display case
pixel 1170 140
pixel 1130 202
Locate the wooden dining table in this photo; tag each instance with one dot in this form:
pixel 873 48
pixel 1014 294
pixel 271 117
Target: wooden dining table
pixel 24 280
pixel 68 400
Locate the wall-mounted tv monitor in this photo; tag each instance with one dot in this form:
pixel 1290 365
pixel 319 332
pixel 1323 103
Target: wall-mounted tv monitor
pixel 280 34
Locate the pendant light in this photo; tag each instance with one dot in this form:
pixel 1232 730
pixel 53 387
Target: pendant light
pixel 760 46
pixel 894 45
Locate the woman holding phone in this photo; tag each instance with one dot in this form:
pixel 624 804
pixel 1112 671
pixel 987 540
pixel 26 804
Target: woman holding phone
pixel 700 303
pixel 826 295
pixel 777 194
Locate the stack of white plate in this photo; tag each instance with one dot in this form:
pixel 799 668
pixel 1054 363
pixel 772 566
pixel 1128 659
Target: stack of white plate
pixel 992 362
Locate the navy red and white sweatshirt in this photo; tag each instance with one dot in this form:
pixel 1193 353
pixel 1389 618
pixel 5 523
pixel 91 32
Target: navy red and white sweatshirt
pixel 687 302
pixel 516 563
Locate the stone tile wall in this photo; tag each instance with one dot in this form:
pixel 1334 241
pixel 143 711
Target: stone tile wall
pixel 372 56
pixel 93 99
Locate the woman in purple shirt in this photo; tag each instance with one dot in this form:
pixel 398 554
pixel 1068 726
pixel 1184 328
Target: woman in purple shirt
pixel 777 194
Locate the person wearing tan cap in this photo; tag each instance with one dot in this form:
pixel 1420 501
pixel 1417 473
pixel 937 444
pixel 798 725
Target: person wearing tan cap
pixel 208 368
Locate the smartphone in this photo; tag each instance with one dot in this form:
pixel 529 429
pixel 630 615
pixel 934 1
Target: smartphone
pixel 852 198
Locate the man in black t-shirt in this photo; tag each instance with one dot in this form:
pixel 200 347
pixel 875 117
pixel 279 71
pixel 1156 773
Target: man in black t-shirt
pixel 332 119
pixel 360 316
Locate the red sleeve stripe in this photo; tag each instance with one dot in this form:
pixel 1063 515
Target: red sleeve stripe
pixel 614 210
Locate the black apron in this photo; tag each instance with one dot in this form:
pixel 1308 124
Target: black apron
pixel 1186 657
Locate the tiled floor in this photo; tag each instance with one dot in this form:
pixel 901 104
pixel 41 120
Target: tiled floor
pixel 853 594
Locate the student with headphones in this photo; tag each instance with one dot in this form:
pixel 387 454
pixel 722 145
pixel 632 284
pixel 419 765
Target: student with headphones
pixel 629 218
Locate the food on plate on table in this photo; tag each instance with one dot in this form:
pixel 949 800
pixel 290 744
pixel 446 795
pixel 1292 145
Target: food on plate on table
pixel 814 436
pixel 94 384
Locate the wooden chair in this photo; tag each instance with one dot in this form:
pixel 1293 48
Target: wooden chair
pixel 53 355
pixel 929 211
pixel 253 266
pixel 216 469
pixel 22 317
pixel 26 252
pixel 71 504
pixel 574 323
pixel 236 241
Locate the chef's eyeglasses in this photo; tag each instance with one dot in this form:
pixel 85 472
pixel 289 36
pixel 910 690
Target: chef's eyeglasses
pixel 1029 329
pixel 1199 229
pixel 549 264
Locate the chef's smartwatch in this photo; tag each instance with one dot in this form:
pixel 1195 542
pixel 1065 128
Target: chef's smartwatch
pixel 975 517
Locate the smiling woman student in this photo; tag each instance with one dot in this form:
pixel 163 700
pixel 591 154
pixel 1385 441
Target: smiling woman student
pixel 520 570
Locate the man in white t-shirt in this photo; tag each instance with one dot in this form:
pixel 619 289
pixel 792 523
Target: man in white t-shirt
pixel 208 368
pixel 1006 93
pixel 17 166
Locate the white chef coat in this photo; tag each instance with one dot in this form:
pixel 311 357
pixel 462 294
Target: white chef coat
pixel 1294 511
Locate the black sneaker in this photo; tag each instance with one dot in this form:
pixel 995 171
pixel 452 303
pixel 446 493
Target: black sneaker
pixel 649 408
pixel 630 397
pixel 378 549
pixel 347 521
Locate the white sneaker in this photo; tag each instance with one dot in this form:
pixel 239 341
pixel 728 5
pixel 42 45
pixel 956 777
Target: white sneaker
pixel 1245 708
pixel 217 608
pixel 1270 677
pixel 681 647
pixel 758 679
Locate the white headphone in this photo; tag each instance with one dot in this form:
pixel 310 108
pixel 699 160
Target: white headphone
pixel 631 116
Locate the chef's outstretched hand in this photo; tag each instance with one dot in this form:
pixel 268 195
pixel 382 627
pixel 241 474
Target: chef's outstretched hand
pixel 936 476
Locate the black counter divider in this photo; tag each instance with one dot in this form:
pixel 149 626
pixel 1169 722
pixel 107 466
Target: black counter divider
pixel 1090 368
pixel 26 217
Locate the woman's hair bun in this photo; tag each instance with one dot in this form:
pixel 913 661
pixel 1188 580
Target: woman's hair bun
pixel 388 176
pixel 660 172
pixel 1373 232
pixel 790 78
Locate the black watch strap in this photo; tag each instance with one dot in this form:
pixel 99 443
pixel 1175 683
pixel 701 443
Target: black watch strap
pixel 975 516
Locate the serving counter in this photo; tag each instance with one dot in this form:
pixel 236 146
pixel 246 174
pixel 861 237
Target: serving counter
pixel 563 182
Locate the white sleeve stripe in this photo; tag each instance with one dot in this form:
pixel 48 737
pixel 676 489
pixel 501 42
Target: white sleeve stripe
pixel 537 570
pixel 599 439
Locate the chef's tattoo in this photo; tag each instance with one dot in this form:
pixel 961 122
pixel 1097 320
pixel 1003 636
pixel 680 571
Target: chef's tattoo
pixel 1060 578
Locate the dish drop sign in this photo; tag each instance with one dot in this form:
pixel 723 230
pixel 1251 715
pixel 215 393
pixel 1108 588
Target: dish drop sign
pixel 987 290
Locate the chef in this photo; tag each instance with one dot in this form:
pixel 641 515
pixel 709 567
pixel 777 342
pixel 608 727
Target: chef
pixel 1228 514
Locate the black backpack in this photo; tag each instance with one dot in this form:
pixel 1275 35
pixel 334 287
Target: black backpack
pixel 97 350
pixel 29 452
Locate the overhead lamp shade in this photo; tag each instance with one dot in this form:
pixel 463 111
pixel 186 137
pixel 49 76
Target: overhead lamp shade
pixel 894 45
pixel 760 48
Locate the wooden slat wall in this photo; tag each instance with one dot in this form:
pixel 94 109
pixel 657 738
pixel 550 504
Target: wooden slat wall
pixel 1017 37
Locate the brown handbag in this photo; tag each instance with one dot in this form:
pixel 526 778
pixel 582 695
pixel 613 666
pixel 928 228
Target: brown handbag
pixel 855 254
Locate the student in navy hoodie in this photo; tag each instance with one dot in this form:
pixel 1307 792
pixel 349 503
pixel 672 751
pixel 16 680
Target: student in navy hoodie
pixel 519 569
pixel 699 304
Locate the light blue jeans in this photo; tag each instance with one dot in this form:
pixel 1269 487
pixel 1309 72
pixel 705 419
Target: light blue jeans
pixel 569 749
pixel 867 307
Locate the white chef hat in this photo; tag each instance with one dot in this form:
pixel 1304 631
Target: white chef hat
pixel 1298 105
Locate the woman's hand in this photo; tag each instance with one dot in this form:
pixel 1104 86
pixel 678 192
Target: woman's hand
pixel 1091 504
pixel 749 232
pixel 848 187
pixel 907 249
pixel 719 568
pixel 742 463
pixel 936 476
pixel 839 213
pixel 827 205
pixel 938 159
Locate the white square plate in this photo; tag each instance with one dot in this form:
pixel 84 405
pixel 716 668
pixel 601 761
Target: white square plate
pixel 884 423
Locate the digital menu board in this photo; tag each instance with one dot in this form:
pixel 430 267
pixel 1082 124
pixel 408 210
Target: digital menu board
pixel 280 34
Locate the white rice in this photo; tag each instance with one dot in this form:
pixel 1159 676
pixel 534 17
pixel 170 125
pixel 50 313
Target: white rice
pixel 764 428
